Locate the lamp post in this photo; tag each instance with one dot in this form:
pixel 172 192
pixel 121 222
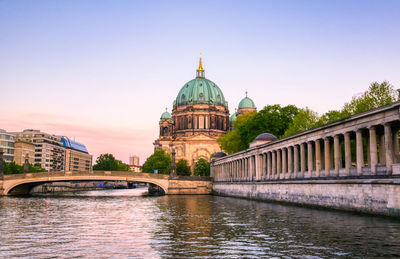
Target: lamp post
pixel 1 164
pixel 26 164
pixel 173 164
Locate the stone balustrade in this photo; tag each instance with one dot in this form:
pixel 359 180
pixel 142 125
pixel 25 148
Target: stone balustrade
pixel 365 145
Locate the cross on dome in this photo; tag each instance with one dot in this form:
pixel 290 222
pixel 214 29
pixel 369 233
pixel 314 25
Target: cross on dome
pixel 200 69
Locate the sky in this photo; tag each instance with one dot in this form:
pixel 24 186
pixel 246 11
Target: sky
pixel 102 72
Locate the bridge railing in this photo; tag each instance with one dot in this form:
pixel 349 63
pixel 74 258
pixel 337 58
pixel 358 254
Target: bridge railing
pixel 365 145
pixel 85 173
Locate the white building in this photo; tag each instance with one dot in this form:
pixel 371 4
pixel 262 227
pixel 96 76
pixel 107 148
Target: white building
pixel 7 141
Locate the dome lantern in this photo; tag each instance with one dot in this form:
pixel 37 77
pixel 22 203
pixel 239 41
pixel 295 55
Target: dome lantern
pixel 200 69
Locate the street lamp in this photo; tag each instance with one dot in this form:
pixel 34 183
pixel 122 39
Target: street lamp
pixel 173 164
pixel 26 164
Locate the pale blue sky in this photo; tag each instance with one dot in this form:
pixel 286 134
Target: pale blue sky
pixel 104 71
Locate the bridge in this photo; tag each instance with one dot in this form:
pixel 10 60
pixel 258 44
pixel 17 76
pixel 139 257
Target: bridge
pixel 351 164
pixel 18 184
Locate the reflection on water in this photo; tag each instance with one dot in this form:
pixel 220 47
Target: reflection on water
pixel 121 223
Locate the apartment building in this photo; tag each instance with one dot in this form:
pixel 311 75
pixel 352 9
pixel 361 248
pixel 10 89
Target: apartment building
pixel 7 141
pixel 23 149
pixel 49 152
pixel 77 158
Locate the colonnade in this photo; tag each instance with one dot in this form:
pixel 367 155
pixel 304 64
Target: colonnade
pixel 362 151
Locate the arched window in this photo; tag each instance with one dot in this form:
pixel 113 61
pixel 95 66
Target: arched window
pixel 165 131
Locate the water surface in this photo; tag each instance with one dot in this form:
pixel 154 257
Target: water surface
pixel 121 223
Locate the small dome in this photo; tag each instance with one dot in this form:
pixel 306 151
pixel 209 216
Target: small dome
pixel 166 115
pixel 266 137
pixel 246 103
pixel 218 155
pixel 233 117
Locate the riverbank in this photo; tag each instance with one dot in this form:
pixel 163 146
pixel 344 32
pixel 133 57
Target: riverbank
pixel 372 196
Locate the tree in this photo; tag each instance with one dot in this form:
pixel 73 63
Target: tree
pixel 107 162
pixel 378 94
pixel 183 168
pixel 36 168
pixel 160 160
pixel 14 168
pixel 304 120
pixel 331 116
pixel 273 119
pixel 202 167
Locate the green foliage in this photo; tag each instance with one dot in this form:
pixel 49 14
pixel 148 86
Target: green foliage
pixel 231 142
pixel 14 168
pixel 183 168
pixel 202 167
pixel 304 120
pixel 36 168
pixel 331 116
pixel 378 94
pixel 107 162
pixel 273 119
pixel 160 160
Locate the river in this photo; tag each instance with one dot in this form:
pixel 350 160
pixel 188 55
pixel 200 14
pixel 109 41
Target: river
pixel 122 223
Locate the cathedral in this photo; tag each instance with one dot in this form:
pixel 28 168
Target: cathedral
pixel 199 115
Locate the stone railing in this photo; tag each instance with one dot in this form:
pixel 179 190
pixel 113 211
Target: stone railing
pixel 365 145
pixel 85 173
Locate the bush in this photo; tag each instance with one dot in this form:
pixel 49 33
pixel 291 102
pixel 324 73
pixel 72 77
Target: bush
pixel 183 168
pixel 202 168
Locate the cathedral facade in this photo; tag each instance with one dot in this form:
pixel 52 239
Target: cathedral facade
pixel 199 115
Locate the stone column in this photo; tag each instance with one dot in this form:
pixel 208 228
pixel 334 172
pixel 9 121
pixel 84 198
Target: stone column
pixel 245 176
pixel 395 143
pixel 317 158
pixel 232 172
pixel 373 150
pixel 327 154
pixel 302 160
pixel 290 162
pixel 250 163
pixel 388 148
pixel 264 166
pixel 257 162
pixel 359 151
pixel 269 165
pixel 240 170
pixel 273 164
pixel 310 158
pixel 284 163
pixel 295 160
pixel 347 153
pixel 382 153
pixel 278 164
pixel 336 147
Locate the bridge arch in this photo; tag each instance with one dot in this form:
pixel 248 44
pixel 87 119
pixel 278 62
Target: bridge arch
pixel 23 184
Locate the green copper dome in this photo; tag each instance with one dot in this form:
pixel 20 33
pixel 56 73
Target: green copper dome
pixel 200 91
pixel 166 115
pixel 246 103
